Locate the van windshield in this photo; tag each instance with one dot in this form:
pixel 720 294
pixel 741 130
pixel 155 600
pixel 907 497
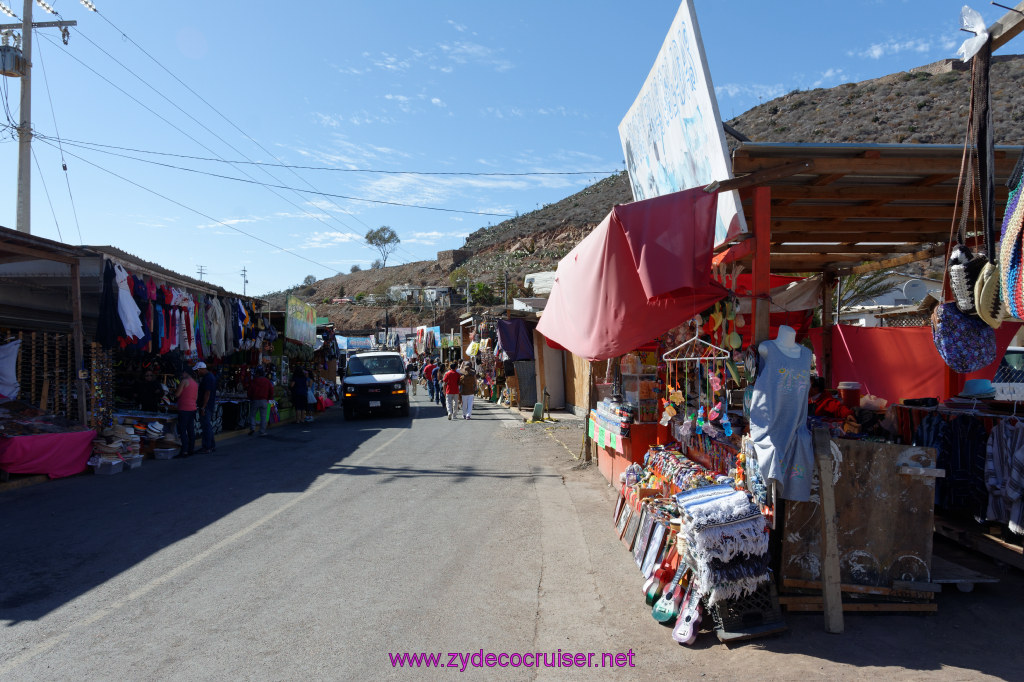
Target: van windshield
pixel 375 364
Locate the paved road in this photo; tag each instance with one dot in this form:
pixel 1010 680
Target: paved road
pixel 316 552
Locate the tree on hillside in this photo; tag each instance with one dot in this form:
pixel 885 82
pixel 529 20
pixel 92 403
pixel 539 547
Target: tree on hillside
pixel 341 291
pixel 377 264
pixel 310 279
pixel 355 268
pixel 385 240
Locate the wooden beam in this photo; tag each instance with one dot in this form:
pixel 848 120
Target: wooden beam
pixel 846 249
pixel 784 237
pixel 832 596
pixel 1007 27
pixel 847 212
pixel 902 166
pixel 932 252
pixel 933 193
pixel 36 253
pixel 761 177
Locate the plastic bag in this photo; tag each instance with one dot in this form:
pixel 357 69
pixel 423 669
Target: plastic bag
pixel 971 21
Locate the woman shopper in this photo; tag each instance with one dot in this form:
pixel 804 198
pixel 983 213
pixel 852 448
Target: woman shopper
pixel 299 388
pixel 188 391
pixel 467 389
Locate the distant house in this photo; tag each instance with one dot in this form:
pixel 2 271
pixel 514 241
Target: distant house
pixel 530 305
pixel 540 281
pixel 905 290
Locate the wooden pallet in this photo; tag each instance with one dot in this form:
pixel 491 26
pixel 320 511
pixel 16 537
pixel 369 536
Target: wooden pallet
pixel 977 539
pixel 945 572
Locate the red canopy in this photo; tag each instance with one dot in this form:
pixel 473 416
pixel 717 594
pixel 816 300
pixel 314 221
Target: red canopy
pixel 644 270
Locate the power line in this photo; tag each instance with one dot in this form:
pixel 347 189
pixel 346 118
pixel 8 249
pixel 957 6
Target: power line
pixel 192 157
pixel 264 184
pixel 165 120
pixel 47 191
pixel 229 121
pixel 63 163
pixel 198 212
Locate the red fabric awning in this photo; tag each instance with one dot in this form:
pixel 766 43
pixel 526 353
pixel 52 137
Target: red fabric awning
pixel 644 270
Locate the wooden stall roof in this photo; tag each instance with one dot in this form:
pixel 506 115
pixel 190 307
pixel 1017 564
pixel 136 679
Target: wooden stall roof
pixel 852 207
pixel 19 246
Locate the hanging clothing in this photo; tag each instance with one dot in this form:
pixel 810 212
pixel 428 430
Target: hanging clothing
pixel 108 323
pixel 1004 474
pixel 963 488
pixel 778 421
pixel 127 310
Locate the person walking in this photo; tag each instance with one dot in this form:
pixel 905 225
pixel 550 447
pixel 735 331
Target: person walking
pixel 451 390
pixel 438 379
pixel 299 392
pixel 206 403
pixel 411 371
pixel 261 392
pixel 467 389
pixel 185 400
pixel 428 377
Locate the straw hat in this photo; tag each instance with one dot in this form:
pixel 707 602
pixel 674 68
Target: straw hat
pixel 987 298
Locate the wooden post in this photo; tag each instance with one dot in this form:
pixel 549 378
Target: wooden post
pixel 831 585
pixel 827 322
pixel 538 351
pixel 32 388
pixel 588 399
pixel 79 340
pixel 762 261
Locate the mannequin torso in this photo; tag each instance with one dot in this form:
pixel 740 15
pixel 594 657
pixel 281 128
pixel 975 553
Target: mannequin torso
pixel 785 342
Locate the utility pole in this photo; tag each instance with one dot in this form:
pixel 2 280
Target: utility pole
pixel 202 271
pixel 245 280
pixel 24 205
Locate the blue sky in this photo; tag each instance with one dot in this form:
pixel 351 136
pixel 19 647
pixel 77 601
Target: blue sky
pixel 470 88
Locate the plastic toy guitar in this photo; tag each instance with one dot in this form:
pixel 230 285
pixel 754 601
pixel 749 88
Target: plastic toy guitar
pixel 655 586
pixel 688 622
pixel 667 607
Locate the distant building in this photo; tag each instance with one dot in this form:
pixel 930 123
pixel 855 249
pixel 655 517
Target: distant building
pixel 540 281
pixel 905 291
pixel 530 305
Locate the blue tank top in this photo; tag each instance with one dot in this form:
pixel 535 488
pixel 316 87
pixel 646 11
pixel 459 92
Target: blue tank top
pixel 778 422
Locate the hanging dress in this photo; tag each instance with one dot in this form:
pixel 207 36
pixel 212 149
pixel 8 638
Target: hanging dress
pixel 778 422
pixel 127 310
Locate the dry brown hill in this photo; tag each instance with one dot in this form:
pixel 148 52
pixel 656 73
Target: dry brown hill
pixel 927 105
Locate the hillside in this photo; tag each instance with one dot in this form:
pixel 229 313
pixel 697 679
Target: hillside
pixel 927 105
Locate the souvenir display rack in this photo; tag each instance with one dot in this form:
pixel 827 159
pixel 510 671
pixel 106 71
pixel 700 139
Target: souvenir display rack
pixel 694 531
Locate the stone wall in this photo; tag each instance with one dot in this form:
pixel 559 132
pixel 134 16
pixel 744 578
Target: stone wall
pixel 450 259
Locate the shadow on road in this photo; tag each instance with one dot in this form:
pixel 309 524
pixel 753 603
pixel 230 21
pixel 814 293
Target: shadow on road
pixel 66 537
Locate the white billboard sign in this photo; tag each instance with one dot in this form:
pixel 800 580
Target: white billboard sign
pixel 672 136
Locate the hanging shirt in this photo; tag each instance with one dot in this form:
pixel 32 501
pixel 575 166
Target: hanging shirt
pixel 1004 474
pixel 778 422
pixel 127 310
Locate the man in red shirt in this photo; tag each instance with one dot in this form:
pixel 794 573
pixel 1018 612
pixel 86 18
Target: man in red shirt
pixel 261 392
pixel 428 376
pixel 451 389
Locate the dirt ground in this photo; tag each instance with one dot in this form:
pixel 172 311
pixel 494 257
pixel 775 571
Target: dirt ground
pixel 973 636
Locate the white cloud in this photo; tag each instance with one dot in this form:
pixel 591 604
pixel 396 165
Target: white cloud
pixel 759 90
pixel 326 119
pixel 458 27
pixel 438 102
pixel 830 76
pixel 462 52
pixel 323 240
pixel 892 47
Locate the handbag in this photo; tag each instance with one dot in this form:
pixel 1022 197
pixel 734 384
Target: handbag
pixel 310 396
pixel 963 341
